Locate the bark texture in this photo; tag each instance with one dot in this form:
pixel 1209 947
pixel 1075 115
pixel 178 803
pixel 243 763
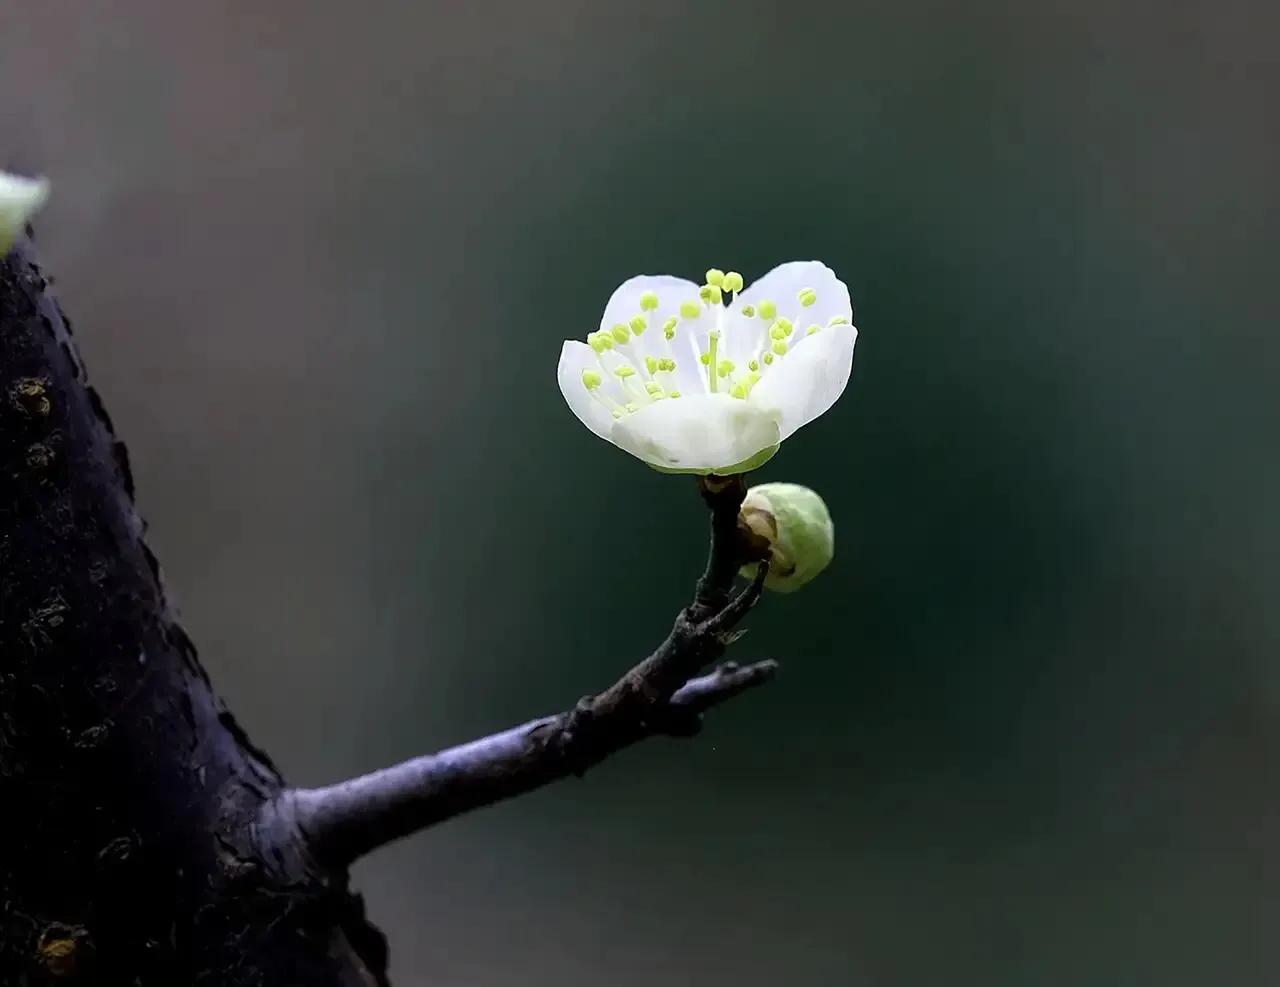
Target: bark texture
pixel 128 794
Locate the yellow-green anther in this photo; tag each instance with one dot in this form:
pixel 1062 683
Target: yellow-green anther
pixel 591 379
pixel 673 394
pixel 711 359
pixel 715 277
pixel 777 331
pixel 690 310
pixel 621 333
pixel 596 342
pixel 738 391
pixel 653 387
pixel 651 364
pixel 624 372
pixel 753 366
pixel 666 363
pixel 724 368
pixel 749 311
pixel 617 413
pixel 787 327
pixel 753 379
pixel 710 294
pixel 705 359
pixel 732 281
pixel 779 347
pixel 649 301
pixel 807 296
pixel 812 329
pixel 631 407
pixel 768 310
pixel 639 324
pixel 768 359
pixel 838 320
pixel 669 327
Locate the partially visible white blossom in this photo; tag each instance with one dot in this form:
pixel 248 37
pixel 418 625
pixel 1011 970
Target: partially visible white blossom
pixel 712 378
pixel 19 200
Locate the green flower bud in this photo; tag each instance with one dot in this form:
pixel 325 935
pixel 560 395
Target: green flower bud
pixel 796 524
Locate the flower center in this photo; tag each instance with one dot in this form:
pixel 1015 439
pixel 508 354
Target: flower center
pixel 649 358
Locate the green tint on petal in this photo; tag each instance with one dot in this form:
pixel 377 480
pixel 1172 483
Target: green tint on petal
pixel 746 466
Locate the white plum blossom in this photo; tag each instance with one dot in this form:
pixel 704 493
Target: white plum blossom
pixel 19 199
pixel 711 378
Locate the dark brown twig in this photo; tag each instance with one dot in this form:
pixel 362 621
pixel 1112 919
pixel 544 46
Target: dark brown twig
pixel 662 695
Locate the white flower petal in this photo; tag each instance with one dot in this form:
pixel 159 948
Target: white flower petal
pixel 624 305
pixel 19 199
pixel 806 382
pixel 745 339
pixel 783 285
pixel 576 357
pixel 698 432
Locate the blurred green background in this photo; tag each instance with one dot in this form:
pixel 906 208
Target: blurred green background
pixel 322 257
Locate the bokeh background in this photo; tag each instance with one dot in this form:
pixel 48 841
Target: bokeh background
pixel 322 256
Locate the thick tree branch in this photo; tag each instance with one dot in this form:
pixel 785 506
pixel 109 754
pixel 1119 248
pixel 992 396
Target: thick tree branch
pixel 128 793
pixel 662 695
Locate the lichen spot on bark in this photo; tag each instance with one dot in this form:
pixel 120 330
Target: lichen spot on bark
pixel 60 949
pixel 30 395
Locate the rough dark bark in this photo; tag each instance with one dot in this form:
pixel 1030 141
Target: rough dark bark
pixel 127 791
pixel 144 841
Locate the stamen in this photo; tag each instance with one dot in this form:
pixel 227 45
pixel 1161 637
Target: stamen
pixel 768 310
pixel 715 277
pixel 648 301
pixel 690 310
pixel 807 296
pixel 732 281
